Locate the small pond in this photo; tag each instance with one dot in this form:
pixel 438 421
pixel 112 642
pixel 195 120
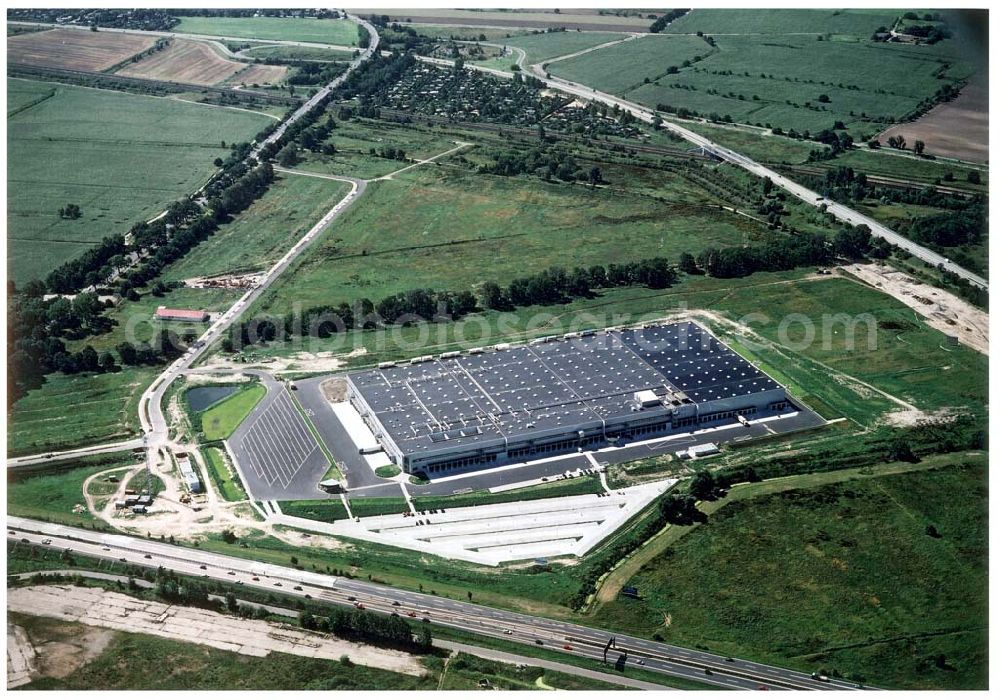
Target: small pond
pixel 202 397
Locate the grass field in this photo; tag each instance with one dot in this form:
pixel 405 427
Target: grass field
pixel 326 511
pixel 842 577
pixel 618 69
pixel 571 19
pixel 120 157
pixel 264 232
pixel 542 47
pixel 72 410
pixel 324 31
pixel 297 53
pixel 506 227
pixel 219 421
pixel 57 493
pixel 353 139
pixel 225 479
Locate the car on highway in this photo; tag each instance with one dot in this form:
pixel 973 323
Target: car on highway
pixel 351 598
pixel 122 559
pixel 25 540
pixel 106 549
pixel 297 588
pixel 395 603
pixel 508 632
pixel 147 556
pixel 47 541
pixel 231 573
pixel 254 578
pixel 567 647
pixel 539 642
pixel 278 584
pixel 202 567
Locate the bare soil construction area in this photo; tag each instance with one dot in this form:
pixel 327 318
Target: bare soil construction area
pixel 98 608
pixel 956 129
pixel 940 309
pixel 185 61
pixel 74 49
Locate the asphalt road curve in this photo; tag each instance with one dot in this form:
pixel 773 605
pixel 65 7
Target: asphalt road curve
pixel 565 637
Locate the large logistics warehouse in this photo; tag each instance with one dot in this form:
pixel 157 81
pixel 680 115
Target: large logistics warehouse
pixel 485 408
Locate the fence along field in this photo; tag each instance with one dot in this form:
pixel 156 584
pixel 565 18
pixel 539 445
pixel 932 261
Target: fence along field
pixel 120 157
pixel 75 49
pixel 195 62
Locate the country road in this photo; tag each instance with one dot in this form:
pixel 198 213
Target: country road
pixel 564 637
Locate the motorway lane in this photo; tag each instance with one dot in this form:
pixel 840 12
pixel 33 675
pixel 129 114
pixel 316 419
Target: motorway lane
pixel 583 641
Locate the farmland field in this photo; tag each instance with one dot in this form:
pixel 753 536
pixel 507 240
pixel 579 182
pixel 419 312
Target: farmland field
pixel 618 69
pixel 339 32
pixel 75 49
pixel 408 229
pixel 785 21
pixel 264 232
pixel 185 61
pixel 120 157
pixel 570 19
pixel 845 577
pixel 104 409
pixel 792 81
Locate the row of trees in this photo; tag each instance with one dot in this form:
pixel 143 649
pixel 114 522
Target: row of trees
pixel 663 20
pixel 361 625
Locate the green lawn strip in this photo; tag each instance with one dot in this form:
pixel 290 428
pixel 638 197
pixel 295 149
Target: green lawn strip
pixel 387 471
pixel 847 577
pixel 366 507
pixel 55 492
pixel 226 480
pixel 553 489
pixel 327 510
pixel 219 421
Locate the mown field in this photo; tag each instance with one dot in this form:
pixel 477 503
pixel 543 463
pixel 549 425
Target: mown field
pixel 409 229
pixel 120 157
pixel 571 19
pixel 339 32
pixel 881 580
pixel 259 236
pixel 73 410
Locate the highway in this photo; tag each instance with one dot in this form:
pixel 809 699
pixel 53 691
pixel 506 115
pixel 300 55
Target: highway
pixel 572 639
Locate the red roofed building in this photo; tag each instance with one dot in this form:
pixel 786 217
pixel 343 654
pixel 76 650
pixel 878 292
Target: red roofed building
pixel 165 314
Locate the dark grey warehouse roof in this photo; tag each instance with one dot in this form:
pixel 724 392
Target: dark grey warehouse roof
pixel 565 384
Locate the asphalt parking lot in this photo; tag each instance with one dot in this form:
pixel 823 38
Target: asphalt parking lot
pixel 278 455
